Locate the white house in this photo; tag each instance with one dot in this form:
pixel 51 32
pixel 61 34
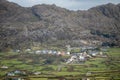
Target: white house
pixel 4 67
pixel 81 58
pixel 38 52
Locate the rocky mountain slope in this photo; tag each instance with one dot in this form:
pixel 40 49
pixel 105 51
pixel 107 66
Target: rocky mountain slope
pixel 49 24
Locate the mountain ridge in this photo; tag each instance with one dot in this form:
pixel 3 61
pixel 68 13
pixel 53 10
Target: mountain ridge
pixel 49 24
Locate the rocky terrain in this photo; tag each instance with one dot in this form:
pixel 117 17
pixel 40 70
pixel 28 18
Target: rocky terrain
pixel 49 24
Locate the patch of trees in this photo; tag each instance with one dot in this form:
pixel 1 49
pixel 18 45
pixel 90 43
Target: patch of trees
pixel 111 44
pixel 103 34
pixel 42 59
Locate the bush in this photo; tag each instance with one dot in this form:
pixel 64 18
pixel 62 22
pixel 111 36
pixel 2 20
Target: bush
pixel 47 69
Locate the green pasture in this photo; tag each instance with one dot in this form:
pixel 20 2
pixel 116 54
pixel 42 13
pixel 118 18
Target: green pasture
pixel 96 65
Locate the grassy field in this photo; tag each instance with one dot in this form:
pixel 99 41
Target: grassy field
pixel 100 68
pixel 115 52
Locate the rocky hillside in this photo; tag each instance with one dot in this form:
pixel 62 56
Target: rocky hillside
pixel 52 25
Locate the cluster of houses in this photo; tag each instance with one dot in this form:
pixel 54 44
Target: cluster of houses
pixel 16 75
pixel 53 52
pixel 77 58
pixel 46 51
pixel 85 54
pixel 20 75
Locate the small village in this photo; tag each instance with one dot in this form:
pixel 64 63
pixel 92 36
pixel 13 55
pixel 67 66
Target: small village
pixel 80 56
